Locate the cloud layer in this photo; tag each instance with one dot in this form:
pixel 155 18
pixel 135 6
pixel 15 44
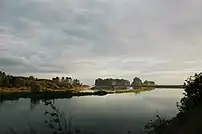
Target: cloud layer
pixel 157 40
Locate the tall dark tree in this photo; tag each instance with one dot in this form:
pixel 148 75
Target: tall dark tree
pixel 31 78
pixel 189 112
pixel 57 79
pixel 76 82
pixel 63 79
pixel 193 93
pixel 137 82
pixel 34 87
pixel 68 80
pixel 2 78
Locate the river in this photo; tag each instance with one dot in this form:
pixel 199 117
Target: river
pixel 110 114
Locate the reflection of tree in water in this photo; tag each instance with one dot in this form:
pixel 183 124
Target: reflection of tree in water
pixel 34 103
pixel 1 102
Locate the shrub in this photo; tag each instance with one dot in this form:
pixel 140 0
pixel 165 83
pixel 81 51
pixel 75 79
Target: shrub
pixel 193 93
pixel 34 87
pixel 192 98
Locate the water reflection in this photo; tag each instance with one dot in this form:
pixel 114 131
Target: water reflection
pixel 114 113
pixel 34 103
pixel 1 101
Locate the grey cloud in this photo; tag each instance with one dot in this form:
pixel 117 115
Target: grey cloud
pixel 5 62
pixel 19 65
pixel 93 38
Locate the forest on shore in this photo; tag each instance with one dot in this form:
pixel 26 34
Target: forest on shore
pixel 15 87
pixel 9 83
pixel 110 83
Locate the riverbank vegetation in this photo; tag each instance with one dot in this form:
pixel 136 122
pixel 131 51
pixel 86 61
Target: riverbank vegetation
pixel 188 120
pixel 9 83
pixel 15 87
pixel 114 84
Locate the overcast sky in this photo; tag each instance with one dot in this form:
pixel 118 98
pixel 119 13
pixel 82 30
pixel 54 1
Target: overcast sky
pixel 158 40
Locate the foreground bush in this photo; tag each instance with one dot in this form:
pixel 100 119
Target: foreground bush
pixel 190 108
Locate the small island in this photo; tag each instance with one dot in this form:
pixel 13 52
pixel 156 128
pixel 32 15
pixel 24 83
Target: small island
pixel 122 85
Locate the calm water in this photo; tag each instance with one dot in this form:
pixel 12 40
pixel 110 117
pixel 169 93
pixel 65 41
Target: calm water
pixel 110 114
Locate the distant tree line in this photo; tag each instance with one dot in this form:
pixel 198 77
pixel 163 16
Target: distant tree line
pixel 137 82
pixel 109 83
pixel 13 81
pixel 35 84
